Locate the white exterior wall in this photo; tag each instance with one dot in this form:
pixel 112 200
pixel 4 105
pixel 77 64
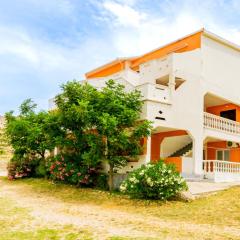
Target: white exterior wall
pixel 221 77
pixel 186 108
pixel 221 70
pixel 187 166
pixel 223 177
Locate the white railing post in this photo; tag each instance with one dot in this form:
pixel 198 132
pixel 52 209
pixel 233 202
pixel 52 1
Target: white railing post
pixel 221 166
pixel 219 123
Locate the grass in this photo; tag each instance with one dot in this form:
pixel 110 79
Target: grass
pixel 207 210
pixel 218 211
pixel 15 222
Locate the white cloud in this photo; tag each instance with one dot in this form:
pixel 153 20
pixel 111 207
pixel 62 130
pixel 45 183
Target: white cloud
pixel 137 32
pixel 35 67
pixel 123 14
pixel 42 62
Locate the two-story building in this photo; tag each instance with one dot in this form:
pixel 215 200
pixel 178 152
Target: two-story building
pixel 191 93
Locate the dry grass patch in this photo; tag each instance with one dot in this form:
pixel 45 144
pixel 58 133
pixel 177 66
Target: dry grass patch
pixel 115 216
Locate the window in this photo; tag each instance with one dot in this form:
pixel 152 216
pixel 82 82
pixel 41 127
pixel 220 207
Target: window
pixel 223 155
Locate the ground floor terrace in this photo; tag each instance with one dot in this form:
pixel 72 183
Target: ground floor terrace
pixel 214 159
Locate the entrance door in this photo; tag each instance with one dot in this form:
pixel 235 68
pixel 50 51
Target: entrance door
pixel 229 114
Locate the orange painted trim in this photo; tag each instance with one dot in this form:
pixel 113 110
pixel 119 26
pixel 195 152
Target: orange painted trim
pixel 156 140
pixel 212 148
pixel 228 106
pixel 184 44
pixel 188 43
pixel 177 161
pixel 110 69
pixel 143 143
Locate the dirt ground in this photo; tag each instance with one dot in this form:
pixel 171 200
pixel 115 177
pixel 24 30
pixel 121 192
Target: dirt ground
pixel 107 221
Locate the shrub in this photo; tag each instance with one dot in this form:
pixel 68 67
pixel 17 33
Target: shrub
pixel 20 167
pixel 11 167
pixel 154 181
pixel 69 168
pixel 41 169
pixel 101 181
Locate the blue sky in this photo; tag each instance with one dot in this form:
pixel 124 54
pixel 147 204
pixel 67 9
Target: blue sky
pixel 45 43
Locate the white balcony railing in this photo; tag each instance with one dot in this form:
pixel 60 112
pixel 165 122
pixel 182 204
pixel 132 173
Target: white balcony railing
pixel 217 166
pixel 155 92
pixel 219 123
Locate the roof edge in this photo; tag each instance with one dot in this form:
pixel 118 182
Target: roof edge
pixel 221 40
pixel 177 40
pixel 109 64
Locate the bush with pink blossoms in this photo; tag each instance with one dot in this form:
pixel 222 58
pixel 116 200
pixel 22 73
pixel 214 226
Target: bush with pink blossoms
pixel 68 168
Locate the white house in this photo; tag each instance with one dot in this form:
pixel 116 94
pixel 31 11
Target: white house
pixel 191 92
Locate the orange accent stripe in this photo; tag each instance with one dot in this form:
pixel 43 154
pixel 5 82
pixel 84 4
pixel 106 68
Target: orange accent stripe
pixel 185 44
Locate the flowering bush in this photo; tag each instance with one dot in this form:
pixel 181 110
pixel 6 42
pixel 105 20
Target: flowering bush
pixel 154 181
pixel 69 169
pixel 20 167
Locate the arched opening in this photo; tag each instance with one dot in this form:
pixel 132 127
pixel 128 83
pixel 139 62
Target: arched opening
pixel 173 146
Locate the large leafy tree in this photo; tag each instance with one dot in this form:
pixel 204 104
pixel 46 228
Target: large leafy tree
pixel 117 121
pixel 102 124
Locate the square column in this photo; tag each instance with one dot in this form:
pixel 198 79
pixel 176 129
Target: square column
pixel 198 156
pixel 148 150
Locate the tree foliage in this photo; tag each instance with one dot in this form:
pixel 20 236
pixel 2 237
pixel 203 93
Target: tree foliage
pixel 89 125
pixel 117 121
pixel 28 136
pixel 101 125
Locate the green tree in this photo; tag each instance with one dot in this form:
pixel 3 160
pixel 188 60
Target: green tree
pixel 117 114
pixel 28 133
pixel 102 125
pixel 76 118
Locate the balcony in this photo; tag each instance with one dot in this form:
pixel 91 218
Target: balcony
pixel 215 122
pixel 221 171
pixel 155 92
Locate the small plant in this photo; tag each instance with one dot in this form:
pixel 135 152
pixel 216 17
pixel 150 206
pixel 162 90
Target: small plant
pixel 154 181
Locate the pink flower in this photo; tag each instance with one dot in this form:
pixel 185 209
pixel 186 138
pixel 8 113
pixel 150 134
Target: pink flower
pixel 11 178
pixel 52 167
pixel 79 174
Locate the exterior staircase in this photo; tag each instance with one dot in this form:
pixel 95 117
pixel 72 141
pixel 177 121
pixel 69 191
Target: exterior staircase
pixel 182 151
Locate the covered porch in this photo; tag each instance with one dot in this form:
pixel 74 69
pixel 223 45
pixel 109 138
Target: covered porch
pixel 222 137
pixel 221 160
